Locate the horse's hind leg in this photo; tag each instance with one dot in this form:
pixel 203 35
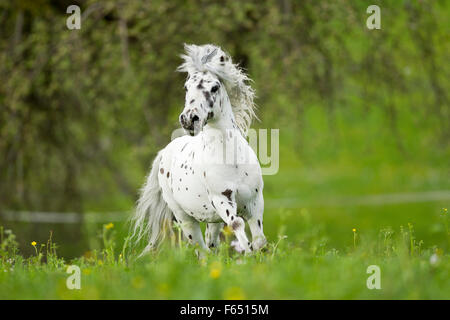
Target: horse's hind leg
pixel 255 222
pixel 212 234
pixel 189 226
pixel 191 230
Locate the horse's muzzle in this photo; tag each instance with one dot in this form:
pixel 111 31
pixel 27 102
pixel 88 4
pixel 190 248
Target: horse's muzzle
pixel 189 123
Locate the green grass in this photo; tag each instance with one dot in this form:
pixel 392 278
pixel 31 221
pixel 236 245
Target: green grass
pixel 304 266
pixel 312 252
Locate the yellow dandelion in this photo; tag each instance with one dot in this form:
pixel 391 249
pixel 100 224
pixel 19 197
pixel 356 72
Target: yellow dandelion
pixel 227 231
pixel 33 243
pixel 109 226
pixel 215 273
pixel 215 270
pixel 87 271
pixel 445 210
pixel 163 289
pixel 354 230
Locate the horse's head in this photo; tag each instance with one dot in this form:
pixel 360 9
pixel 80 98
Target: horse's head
pixel 202 100
pixel 215 87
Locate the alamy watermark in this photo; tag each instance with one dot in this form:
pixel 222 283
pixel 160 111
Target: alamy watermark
pixel 223 148
pixel 74 280
pixel 374 280
pixel 74 20
pixel 374 20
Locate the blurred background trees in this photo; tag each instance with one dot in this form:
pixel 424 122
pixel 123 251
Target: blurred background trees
pixel 82 112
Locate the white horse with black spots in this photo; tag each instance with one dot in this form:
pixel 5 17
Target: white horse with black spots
pixel 212 174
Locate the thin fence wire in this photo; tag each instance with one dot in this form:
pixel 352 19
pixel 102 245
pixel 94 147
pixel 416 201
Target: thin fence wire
pixel 64 217
pixel 288 203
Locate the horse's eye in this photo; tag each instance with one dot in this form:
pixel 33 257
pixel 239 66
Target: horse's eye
pixel 215 88
pixel 185 88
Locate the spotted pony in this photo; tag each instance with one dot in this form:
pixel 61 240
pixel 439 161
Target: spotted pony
pixel 211 174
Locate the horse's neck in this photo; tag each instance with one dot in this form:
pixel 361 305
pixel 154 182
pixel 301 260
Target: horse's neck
pixel 224 121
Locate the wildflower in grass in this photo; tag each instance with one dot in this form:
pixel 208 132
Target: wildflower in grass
pixel 163 289
pixel 412 239
pixel 354 237
pixel 444 217
pixel 215 273
pixel 109 226
pixel 33 243
pixel 234 293
pixel 86 271
pixel 215 270
pixel 434 259
pixel 227 231
pixel 280 237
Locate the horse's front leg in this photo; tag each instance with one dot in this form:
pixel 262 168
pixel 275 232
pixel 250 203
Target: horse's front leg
pixel 255 221
pixel 225 206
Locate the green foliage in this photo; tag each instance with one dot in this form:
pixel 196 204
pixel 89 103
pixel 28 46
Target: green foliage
pixel 84 111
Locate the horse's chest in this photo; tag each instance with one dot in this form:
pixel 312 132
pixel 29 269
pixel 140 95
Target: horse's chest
pixel 189 189
pixel 199 168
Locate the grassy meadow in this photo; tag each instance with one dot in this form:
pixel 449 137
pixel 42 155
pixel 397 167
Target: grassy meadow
pixel 303 265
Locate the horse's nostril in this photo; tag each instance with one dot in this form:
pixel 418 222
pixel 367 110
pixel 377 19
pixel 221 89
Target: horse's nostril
pixel 182 119
pixel 194 118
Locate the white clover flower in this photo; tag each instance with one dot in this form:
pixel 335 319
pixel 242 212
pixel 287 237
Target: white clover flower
pixel 434 259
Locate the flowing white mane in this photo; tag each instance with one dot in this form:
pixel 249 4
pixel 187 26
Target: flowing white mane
pixel 213 59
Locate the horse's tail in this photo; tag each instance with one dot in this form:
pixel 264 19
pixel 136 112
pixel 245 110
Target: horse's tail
pixel 152 215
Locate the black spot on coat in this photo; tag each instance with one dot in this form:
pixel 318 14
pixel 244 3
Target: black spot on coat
pixel 235 225
pixel 227 193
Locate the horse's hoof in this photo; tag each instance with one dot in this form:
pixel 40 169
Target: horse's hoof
pixel 237 246
pixel 259 243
